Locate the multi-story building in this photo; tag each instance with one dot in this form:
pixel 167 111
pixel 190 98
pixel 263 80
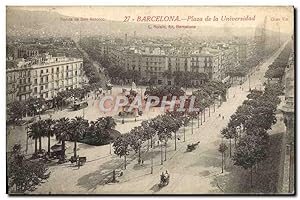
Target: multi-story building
pixel 43 77
pixel 207 62
pixel 152 61
pixel 27 52
pixel 18 79
pixel 178 62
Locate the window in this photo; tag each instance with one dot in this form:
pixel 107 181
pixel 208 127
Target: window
pixel 35 81
pixel 57 69
pixel 41 88
pixel 75 73
pixel 35 90
pixel 47 71
pixel 52 70
pixel 28 80
pixel 42 71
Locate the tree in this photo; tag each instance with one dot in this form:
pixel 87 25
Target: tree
pixel 222 149
pixel 121 145
pixel 36 132
pixel 48 128
pixel 24 174
pixel 173 125
pixel 78 126
pixel 251 149
pixel 100 131
pixel 136 139
pixel 254 94
pixel 16 110
pixel 148 131
pixel 62 131
pixel 35 105
pixel 229 133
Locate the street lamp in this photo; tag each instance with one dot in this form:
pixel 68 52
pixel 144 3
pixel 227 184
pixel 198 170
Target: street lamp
pixel 165 149
pixel 249 82
pixel 198 118
pixel 184 126
pixel 27 137
pixel 175 139
pixel 152 161
pixel 110 147
pixel 161 154
pixel 192 125
pixel 139 143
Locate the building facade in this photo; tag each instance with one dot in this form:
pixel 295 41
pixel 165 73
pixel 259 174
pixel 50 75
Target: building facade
pixel 153 61
pixel 43 77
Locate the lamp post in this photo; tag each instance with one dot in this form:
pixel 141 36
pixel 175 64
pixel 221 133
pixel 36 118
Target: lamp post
pixel 249 82
pixel 192 125
pixel 161 154
pixel 165 150
pixel 110 147
pixel 27 137
pixel 201 117
pixel 152 161
pixel 175 140
pixel 198 119
pixel 184 127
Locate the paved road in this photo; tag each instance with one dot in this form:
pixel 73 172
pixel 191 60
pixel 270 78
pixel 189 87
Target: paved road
pixel 192 172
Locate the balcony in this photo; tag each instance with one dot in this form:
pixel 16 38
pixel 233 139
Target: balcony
pixel 24 92
pixel 44 83
pixel 25 84
pixel 44 74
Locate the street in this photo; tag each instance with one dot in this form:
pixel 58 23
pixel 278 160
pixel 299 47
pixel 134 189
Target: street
pixel 190 172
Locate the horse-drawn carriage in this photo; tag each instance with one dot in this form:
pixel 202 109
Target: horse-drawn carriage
pixel 164 179
pixel 79 105
pixel 79 160
pixel 192 147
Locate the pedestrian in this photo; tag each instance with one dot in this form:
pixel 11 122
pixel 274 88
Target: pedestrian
pixel 162 177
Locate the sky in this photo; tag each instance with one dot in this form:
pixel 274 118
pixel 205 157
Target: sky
pixel 285 15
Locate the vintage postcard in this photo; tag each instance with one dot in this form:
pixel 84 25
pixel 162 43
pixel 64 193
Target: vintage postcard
pixel 150 100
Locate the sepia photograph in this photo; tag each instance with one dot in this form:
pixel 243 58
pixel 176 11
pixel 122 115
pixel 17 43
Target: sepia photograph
pixel 150 100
